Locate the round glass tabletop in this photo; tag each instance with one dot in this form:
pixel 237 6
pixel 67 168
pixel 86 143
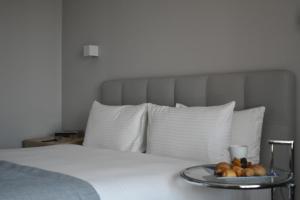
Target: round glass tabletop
pixel 204 175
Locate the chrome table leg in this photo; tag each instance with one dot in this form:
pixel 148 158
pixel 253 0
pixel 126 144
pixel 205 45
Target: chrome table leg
pixel 272 193
pixel 291 187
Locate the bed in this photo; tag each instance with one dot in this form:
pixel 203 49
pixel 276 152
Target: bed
pixel 126 175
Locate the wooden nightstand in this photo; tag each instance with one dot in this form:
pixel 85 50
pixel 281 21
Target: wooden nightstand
pixel 52 140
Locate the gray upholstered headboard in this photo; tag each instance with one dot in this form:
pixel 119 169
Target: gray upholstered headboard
pixel 273 89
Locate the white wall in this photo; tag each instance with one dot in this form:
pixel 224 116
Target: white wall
pixel 172 37
pixel 30 69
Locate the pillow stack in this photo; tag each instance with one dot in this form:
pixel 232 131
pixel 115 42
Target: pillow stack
pixel 194 133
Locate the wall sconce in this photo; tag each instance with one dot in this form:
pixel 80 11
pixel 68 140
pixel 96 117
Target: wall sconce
pixel 91 50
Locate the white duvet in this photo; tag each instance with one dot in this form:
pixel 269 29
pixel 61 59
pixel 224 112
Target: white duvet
pixel 123 175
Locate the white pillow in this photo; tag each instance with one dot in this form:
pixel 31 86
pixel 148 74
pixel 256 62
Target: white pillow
pixel 116 127
pixel 246 130
pixel 201 133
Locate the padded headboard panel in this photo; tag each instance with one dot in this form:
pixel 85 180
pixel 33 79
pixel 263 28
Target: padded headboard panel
pixel 273 89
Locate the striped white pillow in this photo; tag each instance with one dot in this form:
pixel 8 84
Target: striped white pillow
pixel 246 129
pixel 116 127
pixel 199 133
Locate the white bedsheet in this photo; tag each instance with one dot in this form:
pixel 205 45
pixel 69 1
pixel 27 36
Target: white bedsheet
pixel 124 175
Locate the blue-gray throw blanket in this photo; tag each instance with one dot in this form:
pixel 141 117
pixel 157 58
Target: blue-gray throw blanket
pixel 18 182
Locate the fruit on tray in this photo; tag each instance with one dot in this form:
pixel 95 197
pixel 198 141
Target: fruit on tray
pixel 239 171
pixel 229 173
pixel 259 170
pixel 222 167
pixel 249 172
pixel 239 168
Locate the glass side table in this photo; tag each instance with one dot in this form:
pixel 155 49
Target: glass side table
pixel 203 175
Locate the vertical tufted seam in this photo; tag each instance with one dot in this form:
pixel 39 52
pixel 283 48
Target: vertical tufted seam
pixel 122 93
pixel 207 90
pixel 174 86
pixel 241 107
pixel 246 77
pixel 147 90
pixel 101 93
pixel 174 91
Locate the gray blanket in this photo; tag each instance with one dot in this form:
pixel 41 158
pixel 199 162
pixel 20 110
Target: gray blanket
pixel 19 182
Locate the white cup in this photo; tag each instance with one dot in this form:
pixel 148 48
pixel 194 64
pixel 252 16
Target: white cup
pixel 238 151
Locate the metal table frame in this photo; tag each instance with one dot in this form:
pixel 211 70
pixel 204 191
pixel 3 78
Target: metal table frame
pixel 289 182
